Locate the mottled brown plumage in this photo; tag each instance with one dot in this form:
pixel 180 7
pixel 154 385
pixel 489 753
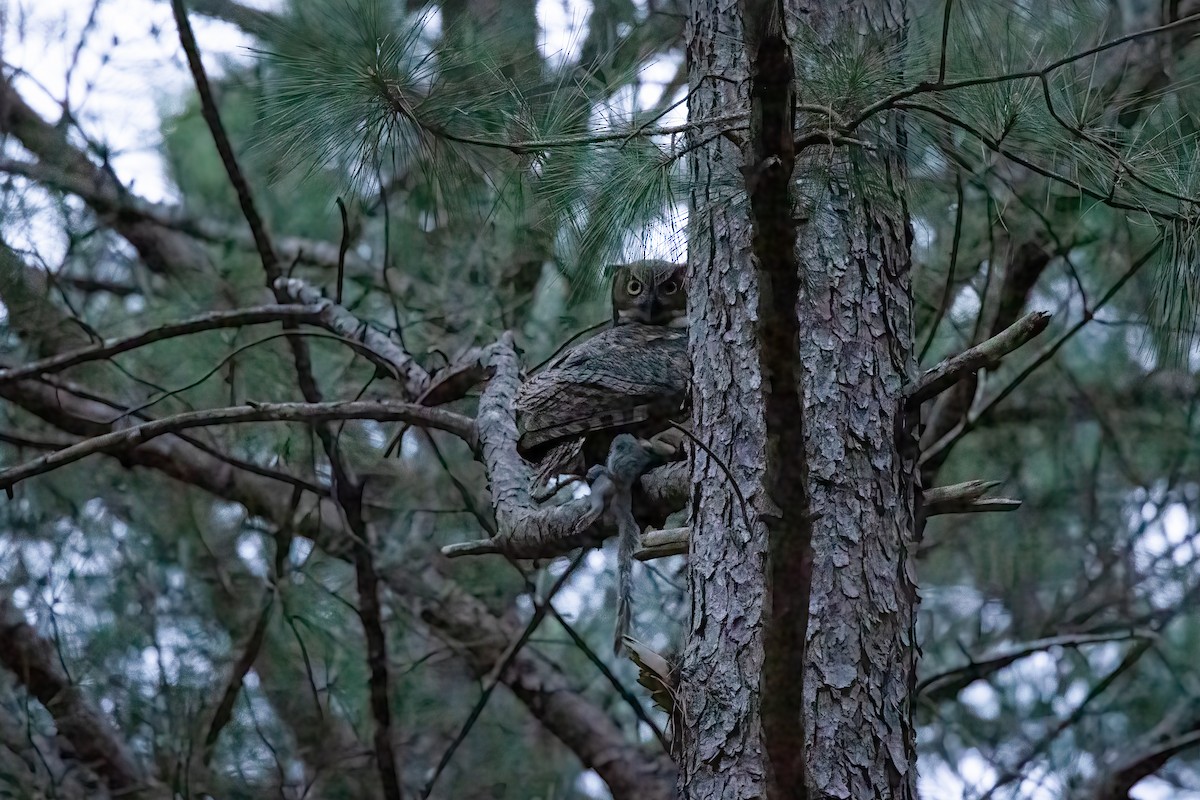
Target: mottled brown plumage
pixel 631 378
pixel 627 379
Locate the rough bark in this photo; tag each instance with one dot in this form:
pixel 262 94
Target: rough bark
pixel 851 312
pixel 856 343
pixel 723 754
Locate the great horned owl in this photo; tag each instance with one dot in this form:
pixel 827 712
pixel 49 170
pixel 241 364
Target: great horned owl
pixel 651 292
pixel 631 378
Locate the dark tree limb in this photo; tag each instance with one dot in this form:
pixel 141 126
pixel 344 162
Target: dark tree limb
pixel 1144 762
pixel 34 663
pixel 347 489
pixel 946 685
pixel 237 677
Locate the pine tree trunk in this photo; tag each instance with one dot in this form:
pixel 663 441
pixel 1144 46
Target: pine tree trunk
pixel 723 756
pixel 795 687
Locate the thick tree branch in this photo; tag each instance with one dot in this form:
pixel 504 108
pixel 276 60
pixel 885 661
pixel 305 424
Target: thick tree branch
pixel 260 24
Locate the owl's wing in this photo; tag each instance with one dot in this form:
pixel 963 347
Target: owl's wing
pixel 564 457
pixel 622 377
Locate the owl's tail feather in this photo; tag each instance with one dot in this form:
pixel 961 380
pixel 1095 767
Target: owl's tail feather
pixel 627 542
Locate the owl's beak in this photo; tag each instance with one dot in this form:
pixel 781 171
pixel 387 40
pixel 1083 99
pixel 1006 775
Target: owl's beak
pixel 650 307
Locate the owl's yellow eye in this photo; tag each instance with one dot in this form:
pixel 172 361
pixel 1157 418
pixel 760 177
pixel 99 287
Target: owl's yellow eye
pixel 633 288
pixel 670 287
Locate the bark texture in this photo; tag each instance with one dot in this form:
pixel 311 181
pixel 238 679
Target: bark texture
pixel 856 344
pixel 852 307
pixel 723 756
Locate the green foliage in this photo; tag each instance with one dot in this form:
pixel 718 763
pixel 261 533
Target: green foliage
pixel 487 188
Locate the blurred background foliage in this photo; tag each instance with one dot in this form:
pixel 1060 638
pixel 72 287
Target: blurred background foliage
pixel 1058 642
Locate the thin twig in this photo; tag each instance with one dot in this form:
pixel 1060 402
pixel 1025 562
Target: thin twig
pixel 403 107
pixel 925 87
pixel 343 246
pixel 945 39
pixel 502 664
pixel 948 289
pixel 995 145
pixel 237 676
pixel 208 109
pixel 613 680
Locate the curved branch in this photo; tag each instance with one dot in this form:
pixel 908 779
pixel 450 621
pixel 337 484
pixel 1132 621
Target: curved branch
pixel 382 411
pixel 204 322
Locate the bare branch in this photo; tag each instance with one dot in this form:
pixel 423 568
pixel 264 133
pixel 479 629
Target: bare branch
pixel 986 354
pixel 946 685
pixel 383 411
pixel 926 87
pixel 960 498
pixel 413 379
pixel 526 531
pixel 1116 784
pixel 462 620
pixel 208 109
pixel 205 322
pixel 347 489
pixel 939 448
pixel 237 676
pixel 539 613
pixel 660 544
